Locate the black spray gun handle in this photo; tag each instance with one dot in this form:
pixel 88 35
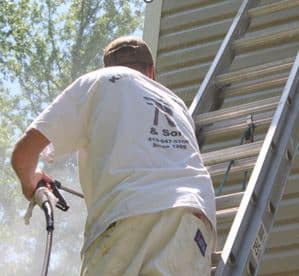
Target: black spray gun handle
pixel 55 185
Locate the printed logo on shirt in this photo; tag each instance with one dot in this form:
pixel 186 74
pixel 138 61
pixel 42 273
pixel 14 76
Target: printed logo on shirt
pixel 200 241
pixel 167 137
pixel 113 79
pixel 161 107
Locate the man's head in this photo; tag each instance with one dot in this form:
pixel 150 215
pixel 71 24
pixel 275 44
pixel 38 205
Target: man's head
pixel 131 52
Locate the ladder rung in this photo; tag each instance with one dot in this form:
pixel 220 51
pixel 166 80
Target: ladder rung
pixel 254 42
pixel 232 153
pixel 228 201
pixel 254 72
pixel 238 166
pixel 242 89
pixel 275 7
pixel 237 125
pixel 226 214
pixel 236 111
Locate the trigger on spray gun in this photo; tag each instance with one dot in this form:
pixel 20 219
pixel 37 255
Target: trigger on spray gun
pixel 55 185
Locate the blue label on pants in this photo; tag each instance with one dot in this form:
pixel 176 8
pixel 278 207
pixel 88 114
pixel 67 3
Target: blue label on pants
pixel 200 241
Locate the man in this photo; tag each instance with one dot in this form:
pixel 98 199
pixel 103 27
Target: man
pixel 150 201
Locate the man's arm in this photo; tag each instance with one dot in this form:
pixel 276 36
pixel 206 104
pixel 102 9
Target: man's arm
pixel 25 158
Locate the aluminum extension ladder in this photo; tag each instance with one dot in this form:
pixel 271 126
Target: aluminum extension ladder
pixel 259 202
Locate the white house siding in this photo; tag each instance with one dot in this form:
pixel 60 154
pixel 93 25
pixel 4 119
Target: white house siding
pixel 185 36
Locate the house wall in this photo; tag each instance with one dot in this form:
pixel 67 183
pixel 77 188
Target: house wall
pixel 185 37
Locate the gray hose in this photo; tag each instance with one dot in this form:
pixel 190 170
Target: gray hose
pixel 49 214
pixel 47 253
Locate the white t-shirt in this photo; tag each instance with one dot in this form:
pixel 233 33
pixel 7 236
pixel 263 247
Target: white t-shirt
pixel 137 151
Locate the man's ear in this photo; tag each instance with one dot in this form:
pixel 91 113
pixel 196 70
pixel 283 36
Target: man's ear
pixel 151 71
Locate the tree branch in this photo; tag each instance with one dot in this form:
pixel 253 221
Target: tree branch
pixel 76 56
pixel 51 36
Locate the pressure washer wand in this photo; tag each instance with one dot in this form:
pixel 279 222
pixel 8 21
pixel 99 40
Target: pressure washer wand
pixel 47 196
pixel 46 199
pixel 66 189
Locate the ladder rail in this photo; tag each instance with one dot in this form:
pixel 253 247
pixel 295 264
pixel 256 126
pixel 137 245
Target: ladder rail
pixel 207 98
pixel 247 238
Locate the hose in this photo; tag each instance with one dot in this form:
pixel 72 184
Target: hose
pixel 47 253
pixel 49 214
pixel 46 199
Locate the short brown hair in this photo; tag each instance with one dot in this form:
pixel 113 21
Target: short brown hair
pixel 127 51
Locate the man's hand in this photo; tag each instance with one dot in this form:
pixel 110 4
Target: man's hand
pixel 25 158
pixel 29 188
pixel 40 196
pixel 38 176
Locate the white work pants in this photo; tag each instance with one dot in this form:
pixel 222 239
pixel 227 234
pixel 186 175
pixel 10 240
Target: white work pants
pixel 169 243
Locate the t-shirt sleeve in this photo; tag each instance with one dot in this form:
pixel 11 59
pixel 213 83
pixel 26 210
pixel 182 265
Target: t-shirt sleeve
pixel 65 121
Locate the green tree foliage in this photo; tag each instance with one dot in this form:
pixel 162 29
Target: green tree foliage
pixel 44 46
pixel 47 44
